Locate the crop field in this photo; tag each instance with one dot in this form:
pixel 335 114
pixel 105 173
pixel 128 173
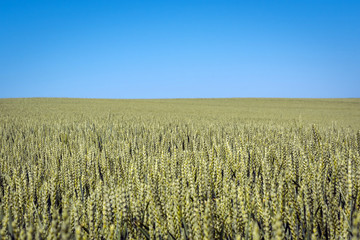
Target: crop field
pixel 180 169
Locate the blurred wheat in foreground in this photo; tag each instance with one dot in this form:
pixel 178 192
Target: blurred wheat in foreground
pixel 178 169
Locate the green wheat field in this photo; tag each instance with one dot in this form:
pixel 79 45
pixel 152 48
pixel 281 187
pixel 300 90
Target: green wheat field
pixel 179 169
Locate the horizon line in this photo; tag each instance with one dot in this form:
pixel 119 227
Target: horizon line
pixel 177 98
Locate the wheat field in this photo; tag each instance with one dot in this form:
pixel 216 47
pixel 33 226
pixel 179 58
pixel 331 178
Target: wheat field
pixel 180 169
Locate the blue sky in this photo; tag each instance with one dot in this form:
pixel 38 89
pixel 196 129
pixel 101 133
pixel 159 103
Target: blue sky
pixel 179 49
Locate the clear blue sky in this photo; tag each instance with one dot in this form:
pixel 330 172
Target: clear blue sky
pixel 179 49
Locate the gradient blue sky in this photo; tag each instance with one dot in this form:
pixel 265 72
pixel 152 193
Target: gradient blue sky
pixel 179 49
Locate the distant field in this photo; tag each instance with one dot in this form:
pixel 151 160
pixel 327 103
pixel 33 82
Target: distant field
pixel 341 112
pixel 180 169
